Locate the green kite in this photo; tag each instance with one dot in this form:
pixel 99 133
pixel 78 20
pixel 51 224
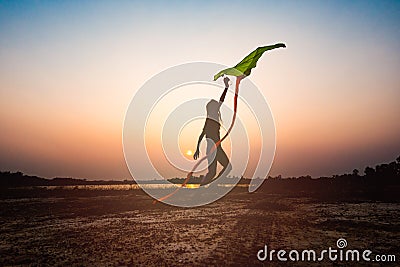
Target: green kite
pixel 244 67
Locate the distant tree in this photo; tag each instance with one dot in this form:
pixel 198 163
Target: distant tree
pixel 394 168
pixel 398 166
pixel 355 172
pixel 384 171
pixel 369 171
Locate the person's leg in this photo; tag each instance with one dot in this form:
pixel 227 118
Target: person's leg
pixel 212 163
pixel 222 158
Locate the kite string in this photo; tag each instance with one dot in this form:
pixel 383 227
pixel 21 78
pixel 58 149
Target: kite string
pixel 238 79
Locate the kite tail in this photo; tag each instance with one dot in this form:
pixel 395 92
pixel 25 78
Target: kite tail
pixel 238 79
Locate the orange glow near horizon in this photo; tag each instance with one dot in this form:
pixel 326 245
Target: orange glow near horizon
pixel 67 78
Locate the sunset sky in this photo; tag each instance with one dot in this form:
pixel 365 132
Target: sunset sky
pixel 68 71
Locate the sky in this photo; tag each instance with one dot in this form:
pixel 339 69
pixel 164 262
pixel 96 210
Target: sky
pixel 69 69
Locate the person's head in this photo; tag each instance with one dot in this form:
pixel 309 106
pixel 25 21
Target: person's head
pixel 212 108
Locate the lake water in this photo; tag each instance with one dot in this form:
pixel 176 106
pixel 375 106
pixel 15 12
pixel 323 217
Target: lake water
pixel 125 186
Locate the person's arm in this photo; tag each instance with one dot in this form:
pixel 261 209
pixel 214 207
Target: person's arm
pixel 197 153
pixel 222 98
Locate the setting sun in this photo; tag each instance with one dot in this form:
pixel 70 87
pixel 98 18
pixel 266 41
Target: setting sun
pixel 189 152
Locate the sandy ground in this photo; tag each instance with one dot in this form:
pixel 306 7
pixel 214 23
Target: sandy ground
pixel 124 228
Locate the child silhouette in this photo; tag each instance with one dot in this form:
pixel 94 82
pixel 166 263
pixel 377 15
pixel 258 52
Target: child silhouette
pixel 211 131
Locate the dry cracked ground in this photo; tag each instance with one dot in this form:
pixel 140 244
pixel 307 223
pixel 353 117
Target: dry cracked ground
pixel 124 228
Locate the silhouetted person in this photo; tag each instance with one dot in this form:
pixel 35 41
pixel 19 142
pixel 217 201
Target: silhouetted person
pixel 211 131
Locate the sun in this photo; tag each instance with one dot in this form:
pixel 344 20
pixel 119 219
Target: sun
pixel 189 152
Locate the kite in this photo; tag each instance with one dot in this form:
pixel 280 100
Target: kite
pixel 240 71
pixel 243 68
